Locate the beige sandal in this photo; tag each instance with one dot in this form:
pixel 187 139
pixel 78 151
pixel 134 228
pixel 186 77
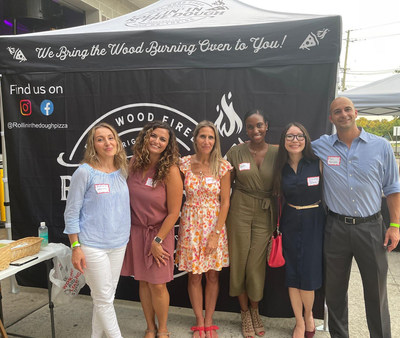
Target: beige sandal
pixel 151 331
pixel 247 324
pixel 166 334
pixel 257 322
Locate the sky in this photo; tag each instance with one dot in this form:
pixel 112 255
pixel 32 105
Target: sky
pixel 374 47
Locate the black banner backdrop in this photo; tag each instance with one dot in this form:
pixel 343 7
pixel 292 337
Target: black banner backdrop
pixel 50 103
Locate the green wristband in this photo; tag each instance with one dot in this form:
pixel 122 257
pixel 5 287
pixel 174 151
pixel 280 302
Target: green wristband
pixel 395 225
pixel 76 243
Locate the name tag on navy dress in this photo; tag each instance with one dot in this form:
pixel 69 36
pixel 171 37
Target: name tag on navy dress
pixel 312 181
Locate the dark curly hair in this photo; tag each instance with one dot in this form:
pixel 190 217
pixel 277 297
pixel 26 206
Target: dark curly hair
pixel 141 155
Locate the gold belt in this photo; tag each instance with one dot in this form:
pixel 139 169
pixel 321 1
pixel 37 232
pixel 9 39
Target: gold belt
pixel 301 207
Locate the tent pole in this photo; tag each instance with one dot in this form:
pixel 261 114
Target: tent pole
pixel 13 282
pixel 5 172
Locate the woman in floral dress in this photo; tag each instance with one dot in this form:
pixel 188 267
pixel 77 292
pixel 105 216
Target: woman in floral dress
pixel 202 245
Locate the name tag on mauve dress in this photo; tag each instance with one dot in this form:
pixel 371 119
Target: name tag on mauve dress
pixel 149 182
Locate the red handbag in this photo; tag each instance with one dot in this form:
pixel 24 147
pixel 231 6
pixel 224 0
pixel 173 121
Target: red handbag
pixel 275 254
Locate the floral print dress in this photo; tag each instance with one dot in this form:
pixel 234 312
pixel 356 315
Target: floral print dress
pixel 198 219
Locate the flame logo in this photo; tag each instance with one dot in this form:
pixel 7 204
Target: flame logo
pixel 227 110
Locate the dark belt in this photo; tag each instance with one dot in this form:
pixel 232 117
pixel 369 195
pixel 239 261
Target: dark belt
pixel 354 220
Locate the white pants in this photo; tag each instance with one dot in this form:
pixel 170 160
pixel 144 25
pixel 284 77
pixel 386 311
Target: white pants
pixel 102 275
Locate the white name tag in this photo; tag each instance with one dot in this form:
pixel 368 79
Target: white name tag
pixel 149 182
pixel 333 160
pixel 244 166
pixel 312 181
pixel 210 180
pixel 102 188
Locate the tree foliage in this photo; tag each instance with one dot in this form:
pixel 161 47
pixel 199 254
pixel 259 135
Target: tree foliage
pixel 379 127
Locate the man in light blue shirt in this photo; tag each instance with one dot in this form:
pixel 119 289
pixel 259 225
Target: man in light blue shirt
pixel 358 168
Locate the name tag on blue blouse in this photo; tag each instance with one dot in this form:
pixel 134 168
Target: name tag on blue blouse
pixel 333 160
pixel 244 166
pixel 149 182
pixel 312 181
pixel 102 188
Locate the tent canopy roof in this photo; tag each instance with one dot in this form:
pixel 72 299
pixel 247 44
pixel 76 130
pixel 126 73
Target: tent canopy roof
pixel 172 14
pixel 179 34
pixel 381 97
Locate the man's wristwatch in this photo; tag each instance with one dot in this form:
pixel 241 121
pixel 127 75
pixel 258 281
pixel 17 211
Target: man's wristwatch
pixel 157 240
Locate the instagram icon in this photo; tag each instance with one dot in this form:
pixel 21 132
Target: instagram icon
pixel 25 107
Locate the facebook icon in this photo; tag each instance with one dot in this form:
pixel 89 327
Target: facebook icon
pixel 47 107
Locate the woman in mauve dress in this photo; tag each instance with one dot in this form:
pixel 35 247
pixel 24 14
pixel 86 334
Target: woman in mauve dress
pixel 155 189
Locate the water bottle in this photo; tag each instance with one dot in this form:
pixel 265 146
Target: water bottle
pixel 44 233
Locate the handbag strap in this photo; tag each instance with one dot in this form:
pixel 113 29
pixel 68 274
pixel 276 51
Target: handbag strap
pixel 279 214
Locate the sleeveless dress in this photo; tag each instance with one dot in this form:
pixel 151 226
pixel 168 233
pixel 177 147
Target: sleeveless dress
pixel 303 230
pixel 148 211
pixel 198 219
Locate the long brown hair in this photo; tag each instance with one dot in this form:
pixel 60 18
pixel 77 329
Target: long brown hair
pixel 215 155
pixel 90 156
pixel 141 154
pixel 283 157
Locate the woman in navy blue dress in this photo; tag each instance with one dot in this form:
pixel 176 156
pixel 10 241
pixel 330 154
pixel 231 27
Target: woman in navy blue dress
pixel 298 178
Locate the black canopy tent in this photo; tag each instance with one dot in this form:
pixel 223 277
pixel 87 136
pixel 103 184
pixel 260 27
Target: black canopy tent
pixel 180 61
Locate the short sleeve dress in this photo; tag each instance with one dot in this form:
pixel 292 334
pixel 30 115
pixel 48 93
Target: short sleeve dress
pixel 303 230
pixel 198 219
pixel 148 211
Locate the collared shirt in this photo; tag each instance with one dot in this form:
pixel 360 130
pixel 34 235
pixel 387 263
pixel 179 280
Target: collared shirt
pixel 354 178
pixel 98 208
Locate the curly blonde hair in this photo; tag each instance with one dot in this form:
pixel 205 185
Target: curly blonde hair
pixel 141 154
pixel 215 155
pixel 90 156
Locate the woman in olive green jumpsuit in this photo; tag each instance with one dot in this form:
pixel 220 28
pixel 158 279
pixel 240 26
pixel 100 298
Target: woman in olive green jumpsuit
pixel 250 219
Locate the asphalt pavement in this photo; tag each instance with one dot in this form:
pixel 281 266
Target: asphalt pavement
pixel 26 313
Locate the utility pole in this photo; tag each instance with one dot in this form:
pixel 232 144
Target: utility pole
pixel 345 61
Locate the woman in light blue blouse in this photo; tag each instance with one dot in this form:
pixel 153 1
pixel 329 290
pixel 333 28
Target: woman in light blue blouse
pixel 97 221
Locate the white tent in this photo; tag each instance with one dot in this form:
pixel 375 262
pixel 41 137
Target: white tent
pixel 377 98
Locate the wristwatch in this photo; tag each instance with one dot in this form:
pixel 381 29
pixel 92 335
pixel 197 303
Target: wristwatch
pixel 157 240
pixel 217 231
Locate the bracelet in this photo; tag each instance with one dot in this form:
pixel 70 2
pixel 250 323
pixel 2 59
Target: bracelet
pixel 217 231
pixel 395 225
pixel 75 244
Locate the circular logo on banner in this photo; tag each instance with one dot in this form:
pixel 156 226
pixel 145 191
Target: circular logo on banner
pixel 128 120
pixel 178 12
pixel 47 107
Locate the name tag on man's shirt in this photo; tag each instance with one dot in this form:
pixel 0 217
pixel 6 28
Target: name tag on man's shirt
pixel 333 160
pixel 102 188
